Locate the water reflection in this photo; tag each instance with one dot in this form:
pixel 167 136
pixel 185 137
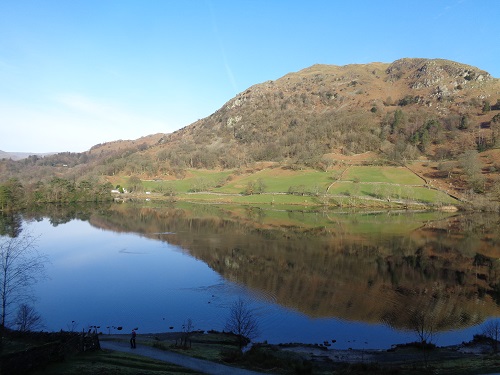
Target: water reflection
pixel 380 269
pixel 10 224
pixel 376 267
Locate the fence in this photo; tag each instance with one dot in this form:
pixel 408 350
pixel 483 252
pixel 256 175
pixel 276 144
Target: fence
pixel 45 348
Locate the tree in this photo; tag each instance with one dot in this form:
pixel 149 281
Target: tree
pixel 134 184
pixel 486 106
pixel 261 185
pixel 424 325
pixel 242 322
pixel 21 265
pixel 464 123
pixel 5 197
pixel 11 193
pixel 201 184
pixel 27 318
pixel 492 331
pixel 187 331
pixel 446 168
pixel 471 166
pixel 399 122
pixel 255 187
pixel 495 129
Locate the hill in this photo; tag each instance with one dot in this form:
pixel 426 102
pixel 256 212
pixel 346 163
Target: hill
pixel 350 109
pixel 21 155
pixel 435 112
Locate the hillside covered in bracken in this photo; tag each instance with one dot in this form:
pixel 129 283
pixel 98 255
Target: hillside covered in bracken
pixel 424 107
pixel 440 114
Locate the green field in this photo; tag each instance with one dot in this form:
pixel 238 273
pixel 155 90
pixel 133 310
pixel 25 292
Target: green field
pixel 363 186
pixel 276 181
pixel 392 175
pixel 205 180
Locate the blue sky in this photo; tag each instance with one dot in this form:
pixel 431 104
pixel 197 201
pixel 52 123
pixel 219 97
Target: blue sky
pixel 74 73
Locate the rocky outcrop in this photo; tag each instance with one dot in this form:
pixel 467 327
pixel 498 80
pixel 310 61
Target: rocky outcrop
pixel 422 73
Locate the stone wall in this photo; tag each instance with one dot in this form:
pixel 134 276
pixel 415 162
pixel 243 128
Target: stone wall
pixel 45 348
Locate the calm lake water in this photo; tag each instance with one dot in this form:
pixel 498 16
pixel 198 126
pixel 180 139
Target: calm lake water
pixel 357 278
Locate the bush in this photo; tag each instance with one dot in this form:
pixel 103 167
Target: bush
pixel 486 106
pixel 303 368
pixel 231 355
pixel 408 99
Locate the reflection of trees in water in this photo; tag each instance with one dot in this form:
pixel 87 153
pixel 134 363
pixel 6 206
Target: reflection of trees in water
pixel 338 265
pixel 10 224
pixel 61 214
pixel 255 214
pixel 357 282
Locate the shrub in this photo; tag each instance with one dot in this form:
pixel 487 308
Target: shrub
pixel 486 106
pixel 408 99
pixel 231 355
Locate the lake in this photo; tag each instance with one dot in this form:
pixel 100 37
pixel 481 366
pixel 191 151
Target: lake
pixel 363 279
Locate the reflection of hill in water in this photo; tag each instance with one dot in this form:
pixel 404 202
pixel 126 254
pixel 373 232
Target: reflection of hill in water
pixel 341 267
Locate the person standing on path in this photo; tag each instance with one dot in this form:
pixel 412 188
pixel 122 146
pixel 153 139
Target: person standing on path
pixel 132 339
pixel 196 364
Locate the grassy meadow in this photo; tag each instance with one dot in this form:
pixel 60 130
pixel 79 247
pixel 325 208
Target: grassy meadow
pixel 355 186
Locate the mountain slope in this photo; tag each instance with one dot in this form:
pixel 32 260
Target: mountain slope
pixel 411 109
pixel 329 108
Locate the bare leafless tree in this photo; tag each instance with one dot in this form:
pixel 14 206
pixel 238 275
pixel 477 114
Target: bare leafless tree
pixel 21 265
pixel 187 331
pixel 424 326
pixel 423 323
pixel 242 322
pixel 28 319
pixel 492 331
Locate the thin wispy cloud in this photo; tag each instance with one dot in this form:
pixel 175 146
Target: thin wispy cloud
pixel 107 112
pixel 223 53
pixel 93 107
pixel 449 8
pixel 72 122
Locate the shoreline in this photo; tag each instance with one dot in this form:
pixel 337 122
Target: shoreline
pixel 397 354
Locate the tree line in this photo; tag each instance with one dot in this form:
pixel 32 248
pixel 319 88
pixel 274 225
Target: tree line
pixel 14 195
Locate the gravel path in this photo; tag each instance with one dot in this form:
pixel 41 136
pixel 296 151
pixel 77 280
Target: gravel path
pixel 196 364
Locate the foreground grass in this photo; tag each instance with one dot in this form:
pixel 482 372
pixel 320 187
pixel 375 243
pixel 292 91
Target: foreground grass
pixel 220 347
pixel 467 366
pixel 204 346
pixel 108 362
pixel 223 348
pixel 479 365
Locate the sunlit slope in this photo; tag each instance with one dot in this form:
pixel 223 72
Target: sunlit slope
pixel 340 186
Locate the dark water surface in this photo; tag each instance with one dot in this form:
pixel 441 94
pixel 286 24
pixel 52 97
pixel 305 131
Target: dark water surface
pixel 366 280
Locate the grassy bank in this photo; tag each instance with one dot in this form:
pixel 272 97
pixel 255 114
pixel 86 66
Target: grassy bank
pixel 276 359
pixel 109 362
pixel 355 186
